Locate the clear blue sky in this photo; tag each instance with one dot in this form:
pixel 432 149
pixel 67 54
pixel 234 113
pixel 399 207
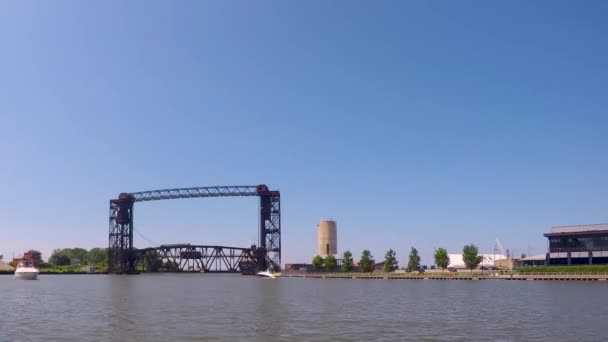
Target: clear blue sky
pixel 410 123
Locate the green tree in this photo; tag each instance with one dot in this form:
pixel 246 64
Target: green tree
pixel 414 262
pixel 330 263
pixel 1 256
pixel 390 261
pixel 98 256
pixel 317 262
pixel 78 256
pixel 471 257
pixel 59 258
pixel 366 263
pixel 347 262
pixel 442 259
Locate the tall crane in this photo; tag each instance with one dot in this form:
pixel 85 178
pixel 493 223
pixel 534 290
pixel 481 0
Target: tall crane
pixel 498 247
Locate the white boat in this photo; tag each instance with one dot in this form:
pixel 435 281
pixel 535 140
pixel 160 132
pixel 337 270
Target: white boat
pixel 26 271
pixel 267 274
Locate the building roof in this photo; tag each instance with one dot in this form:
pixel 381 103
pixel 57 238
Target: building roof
pixel 588 229
pixel 579 229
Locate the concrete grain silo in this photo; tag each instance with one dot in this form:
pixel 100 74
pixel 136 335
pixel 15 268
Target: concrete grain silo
pixel 327 237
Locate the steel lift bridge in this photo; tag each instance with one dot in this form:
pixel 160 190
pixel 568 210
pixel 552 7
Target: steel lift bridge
pixel 124 258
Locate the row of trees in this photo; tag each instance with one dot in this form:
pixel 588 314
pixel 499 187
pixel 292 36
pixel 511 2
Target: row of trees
pixel 79 257
pixel 470 256
pixel 366 263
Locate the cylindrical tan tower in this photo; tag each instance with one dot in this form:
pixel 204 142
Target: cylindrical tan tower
pixel 327 237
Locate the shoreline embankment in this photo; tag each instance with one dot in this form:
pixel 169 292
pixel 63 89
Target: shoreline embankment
pixel 452 276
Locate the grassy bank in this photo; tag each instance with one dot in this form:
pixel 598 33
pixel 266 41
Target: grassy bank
pixel 67 270
pixel 565 269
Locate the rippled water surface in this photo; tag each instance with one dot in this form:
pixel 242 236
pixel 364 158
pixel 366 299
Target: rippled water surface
pixel 168 307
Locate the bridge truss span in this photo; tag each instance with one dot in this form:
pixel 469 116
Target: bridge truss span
pixel 123 257
pixel 207 191
pixel 198 258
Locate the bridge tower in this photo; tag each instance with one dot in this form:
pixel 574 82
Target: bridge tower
pixel 121 256
pixel 270 228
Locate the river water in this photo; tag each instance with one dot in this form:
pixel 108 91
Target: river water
pixel 189 307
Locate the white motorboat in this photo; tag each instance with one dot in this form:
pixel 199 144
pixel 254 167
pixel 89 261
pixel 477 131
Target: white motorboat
pixel 267 274
pixel 26 271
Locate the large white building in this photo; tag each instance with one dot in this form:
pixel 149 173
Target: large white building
pixel 488 260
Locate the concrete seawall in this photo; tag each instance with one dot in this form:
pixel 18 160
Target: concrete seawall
pixel 447 276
